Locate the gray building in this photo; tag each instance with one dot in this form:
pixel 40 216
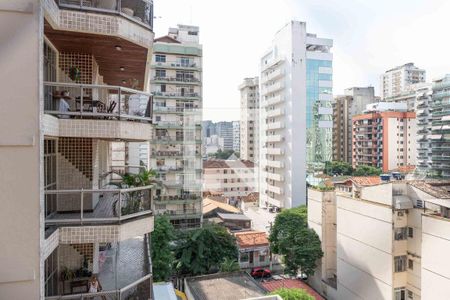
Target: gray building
pixel 352 103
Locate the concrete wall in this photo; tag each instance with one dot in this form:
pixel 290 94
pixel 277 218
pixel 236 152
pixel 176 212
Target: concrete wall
pixel 435 262
pixel 364 250
pixel 21 172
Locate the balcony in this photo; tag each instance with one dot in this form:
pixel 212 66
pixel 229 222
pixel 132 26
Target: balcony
pixel 273 88
pixel 274 100
pixel 273 176
pixel 274 151
pixel 97 206
pixel 274 75
pixel 275 112
pixel 176 124
pixel 137 11
pixel 177 65
pixel 274 138
pixel 178 199
pixel 172 140
pixel 275 189
pixel 174 110
pixel 193 96
pixel 122 268
pixel 175 80
pixel 274 125
pixel 174 154
pixel 275 164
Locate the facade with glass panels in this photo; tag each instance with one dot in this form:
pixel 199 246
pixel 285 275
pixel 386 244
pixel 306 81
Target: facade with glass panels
pixel 295 115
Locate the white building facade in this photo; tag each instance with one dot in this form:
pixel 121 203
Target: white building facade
pixel 249 126
pixel 296 94
pixel 396 81
pixel 236 136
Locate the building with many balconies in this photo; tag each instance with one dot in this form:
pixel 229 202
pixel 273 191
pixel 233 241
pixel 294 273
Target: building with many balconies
pixel 75 80
pixel 176 151
pixel 396 81
pixel 295 115
pixel 353 102
pixel 385 137
pixel 249 122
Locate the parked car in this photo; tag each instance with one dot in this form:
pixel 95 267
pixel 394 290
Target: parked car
pixel 260 273
pixel 302 276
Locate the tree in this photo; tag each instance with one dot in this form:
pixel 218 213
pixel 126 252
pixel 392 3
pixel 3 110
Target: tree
pixel 366 171
pixel 292 294
pixel 229 265
pixel 225 154
pixel 162 256
pixel 291 237
pixel 203 250
pixel 338 168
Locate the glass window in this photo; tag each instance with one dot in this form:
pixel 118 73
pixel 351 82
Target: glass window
pixel 243 257
pixel 410 232
pixel 400 294
pixel 400 263
pixel 410 264
pixel 160 58
pixel 160 73
pixel 400 233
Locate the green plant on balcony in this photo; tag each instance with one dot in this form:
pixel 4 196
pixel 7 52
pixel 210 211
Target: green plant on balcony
pixel 66 275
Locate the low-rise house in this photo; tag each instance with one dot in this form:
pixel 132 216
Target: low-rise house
pixel 235 221
pixel 254 249
pixel 212 207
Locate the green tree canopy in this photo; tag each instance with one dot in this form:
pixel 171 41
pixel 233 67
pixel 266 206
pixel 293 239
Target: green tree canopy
pixel 225 154
pixel 203 250
pixel 229 265
pixel 292 294
pixel 162 256
pixel 366 171
pixel 338 168
pixel 291 237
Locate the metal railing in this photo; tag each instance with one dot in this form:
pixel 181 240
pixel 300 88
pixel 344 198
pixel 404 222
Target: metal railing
pixel 73 100
pixel 139 11
pixel 165 109
pixel 177 64
pixel 175 95
pixel 177 79
pixel 177 197
pixel 137 289
pixel 99 205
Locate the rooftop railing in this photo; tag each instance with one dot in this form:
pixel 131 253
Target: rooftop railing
pixel 90 101
pixel 139 11
pixel 98 205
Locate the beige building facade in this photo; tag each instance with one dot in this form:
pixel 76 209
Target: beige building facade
pixel 71 90
pixel 249 123
pixel 391 239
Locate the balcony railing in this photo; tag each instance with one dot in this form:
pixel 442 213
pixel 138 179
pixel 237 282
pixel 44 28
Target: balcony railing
pixel 165 109
pixel 176 64
pixel 139 11
pixel 97 205
pixel 175 95
pixel 89 101
pixel 177 197
pixel 177 79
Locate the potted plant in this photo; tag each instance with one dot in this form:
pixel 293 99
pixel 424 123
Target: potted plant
pixel 75 74
pixel 66 274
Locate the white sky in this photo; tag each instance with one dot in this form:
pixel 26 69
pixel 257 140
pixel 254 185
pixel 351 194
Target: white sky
pixel 370 36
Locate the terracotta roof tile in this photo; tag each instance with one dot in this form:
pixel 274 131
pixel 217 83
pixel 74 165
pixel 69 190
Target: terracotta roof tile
pixel 366 180
pixel 227 164
pixel 247 239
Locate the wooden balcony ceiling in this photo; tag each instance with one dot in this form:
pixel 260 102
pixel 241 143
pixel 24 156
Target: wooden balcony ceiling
pixel 131 56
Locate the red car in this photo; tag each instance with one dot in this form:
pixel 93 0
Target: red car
pixel 260 273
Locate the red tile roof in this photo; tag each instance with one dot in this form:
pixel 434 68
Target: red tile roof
pixel 290 284
pixel 248 239
pixel 366 180
pixel 227 164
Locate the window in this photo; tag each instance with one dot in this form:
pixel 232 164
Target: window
pixel 160 73
pixel 160 58
pixel 50 172
pixel 262 258
pixel 243 257
pixel 410 232
pixel 400 294
pixel 400 233
pixel 400 263
pixel 163 88
pixel 410 264
pixel 51 274
pixel 410 294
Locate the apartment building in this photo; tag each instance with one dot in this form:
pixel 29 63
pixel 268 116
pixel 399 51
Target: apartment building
pixel 249 126
pixel 440 128
pixel 424 125
pixel 224 130
pixel 236 136
pixel 75 79
pixel 296 94
pixel 353 102
pixel 385 137
pixel 396 80
pixel 176 152
pixel 390 239
pixel 234 179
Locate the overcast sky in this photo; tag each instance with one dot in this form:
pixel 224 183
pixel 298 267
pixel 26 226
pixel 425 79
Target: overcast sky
pixel 370 36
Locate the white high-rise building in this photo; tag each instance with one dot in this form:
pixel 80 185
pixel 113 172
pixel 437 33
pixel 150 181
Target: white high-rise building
pixel 396 81
pixel 296 94
pixel 249 127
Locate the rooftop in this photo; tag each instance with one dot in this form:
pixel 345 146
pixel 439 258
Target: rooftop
pixel 247 239
pixel 290 284
pixel 210 205
pixel 436 188
pixel 240 217
pixel 224 286
pixel 366 180
pixel 227 164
